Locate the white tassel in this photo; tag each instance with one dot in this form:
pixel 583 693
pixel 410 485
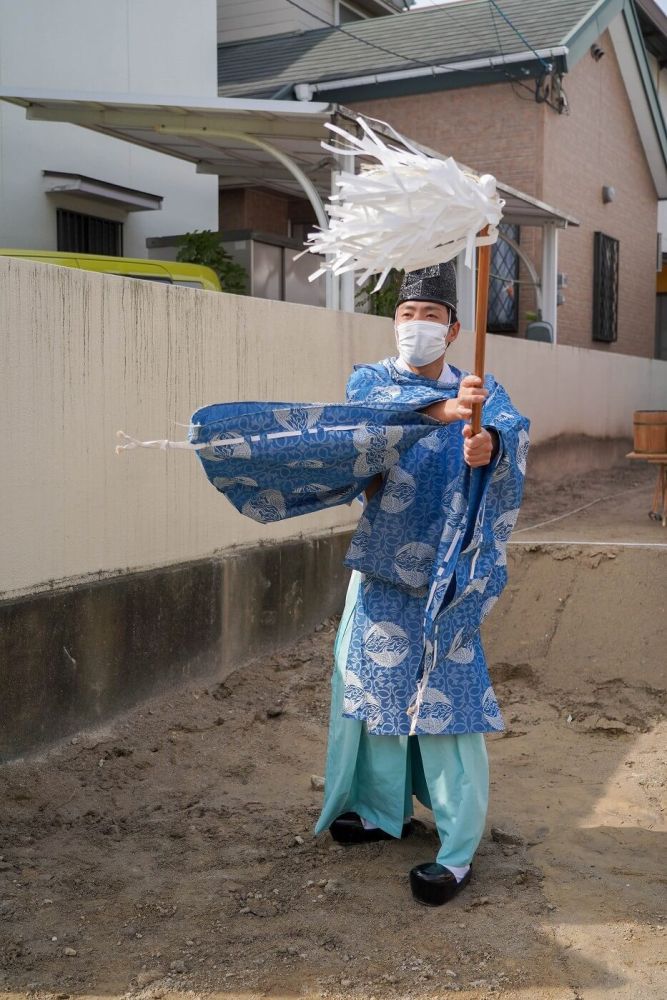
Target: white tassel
pixel 127 443
pixel 408 212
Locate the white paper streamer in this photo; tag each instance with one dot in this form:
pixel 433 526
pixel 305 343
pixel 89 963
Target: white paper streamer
pixel 408 212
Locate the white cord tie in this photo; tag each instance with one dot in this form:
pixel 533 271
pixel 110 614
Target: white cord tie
pixel 127 443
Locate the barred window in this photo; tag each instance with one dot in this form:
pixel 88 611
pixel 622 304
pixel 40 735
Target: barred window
pixel 605 288
pixel 79 233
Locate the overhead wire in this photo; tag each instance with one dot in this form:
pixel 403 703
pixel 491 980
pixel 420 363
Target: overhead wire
pixel 523 38
pixel 421 62
pixel 364 41
pixel 493 7
pixel 513 81
pixel 548 68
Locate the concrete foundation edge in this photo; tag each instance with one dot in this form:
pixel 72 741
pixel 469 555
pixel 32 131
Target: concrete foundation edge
pixel 73 658
pixel 573 455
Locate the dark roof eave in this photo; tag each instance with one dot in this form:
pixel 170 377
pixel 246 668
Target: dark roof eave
pixel 634 31
pixel 406 86
pixel 589 30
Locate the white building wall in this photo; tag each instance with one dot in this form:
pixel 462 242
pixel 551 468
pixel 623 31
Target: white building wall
pixel 143 47
pixel 239 20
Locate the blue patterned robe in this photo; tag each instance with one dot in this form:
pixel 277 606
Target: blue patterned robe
pixel 430 545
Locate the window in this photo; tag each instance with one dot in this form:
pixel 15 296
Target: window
pixel 503 314
pixel 605 288
pixel 80 233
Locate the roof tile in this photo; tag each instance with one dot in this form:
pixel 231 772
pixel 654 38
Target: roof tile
pixel 470 29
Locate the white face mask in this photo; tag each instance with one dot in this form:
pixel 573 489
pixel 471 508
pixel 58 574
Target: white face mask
pixel 420 342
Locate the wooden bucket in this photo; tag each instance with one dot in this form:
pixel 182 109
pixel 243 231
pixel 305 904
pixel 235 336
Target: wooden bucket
pixel 650 432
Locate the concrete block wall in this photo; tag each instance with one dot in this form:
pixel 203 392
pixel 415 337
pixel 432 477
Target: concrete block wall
pixel 121 574
pixel 72 657
pixel 86 355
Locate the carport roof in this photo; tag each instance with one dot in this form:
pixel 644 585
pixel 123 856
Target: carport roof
pixel 216 135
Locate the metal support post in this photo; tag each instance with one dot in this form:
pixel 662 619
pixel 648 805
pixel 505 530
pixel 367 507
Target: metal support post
pixel 347 284
pixel 466 292
pixel 549 281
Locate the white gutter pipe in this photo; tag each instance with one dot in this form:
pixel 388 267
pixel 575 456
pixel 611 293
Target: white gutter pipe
pixel 305 91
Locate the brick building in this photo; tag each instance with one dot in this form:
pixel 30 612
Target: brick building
pixel 556 100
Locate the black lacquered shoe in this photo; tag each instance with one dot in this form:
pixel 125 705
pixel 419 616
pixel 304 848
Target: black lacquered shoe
pixel 348 829
pixel 433 884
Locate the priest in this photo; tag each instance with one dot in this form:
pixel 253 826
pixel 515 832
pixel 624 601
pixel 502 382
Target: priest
pixel 411 696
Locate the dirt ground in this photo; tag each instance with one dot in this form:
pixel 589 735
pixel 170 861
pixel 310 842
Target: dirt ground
pixel 620 499
pixel 171 854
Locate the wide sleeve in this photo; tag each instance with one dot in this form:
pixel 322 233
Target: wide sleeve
pixel 500 414
pixel 278 460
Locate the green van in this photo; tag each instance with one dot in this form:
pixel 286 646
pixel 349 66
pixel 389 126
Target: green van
pixel 169 271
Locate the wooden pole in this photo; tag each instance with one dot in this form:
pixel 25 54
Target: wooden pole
pixel 483 274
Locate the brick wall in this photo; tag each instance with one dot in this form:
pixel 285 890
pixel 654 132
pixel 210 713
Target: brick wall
pixel 598 144
pixel 496 129
pixel 563 160
pixel 266 211
pixel 491 128
pixel 231 208
pixel 253 208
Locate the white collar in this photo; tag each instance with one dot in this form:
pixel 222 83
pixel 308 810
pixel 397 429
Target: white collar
pixel 446 377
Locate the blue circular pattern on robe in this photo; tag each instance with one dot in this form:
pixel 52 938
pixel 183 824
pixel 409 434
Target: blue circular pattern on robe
pixel 430 545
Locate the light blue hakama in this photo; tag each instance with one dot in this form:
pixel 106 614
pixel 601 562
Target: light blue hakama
pixel 376 776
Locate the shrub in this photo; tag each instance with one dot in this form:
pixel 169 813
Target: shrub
pixel 204 247
pixel 382 303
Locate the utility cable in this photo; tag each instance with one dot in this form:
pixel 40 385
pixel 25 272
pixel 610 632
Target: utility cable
pixel 610 543
pixel 398 55
pixel 364 41
pixel 511 79
pixel 547 67
pixel 577 510
pixel 449 68
pixel 509 22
